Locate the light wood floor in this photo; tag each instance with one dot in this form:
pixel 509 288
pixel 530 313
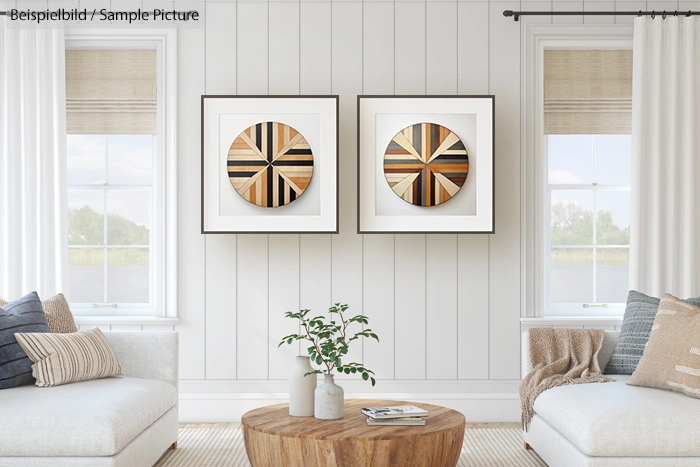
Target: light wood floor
pixel 205 426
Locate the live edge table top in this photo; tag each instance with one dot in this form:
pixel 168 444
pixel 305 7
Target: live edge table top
pixel 275 419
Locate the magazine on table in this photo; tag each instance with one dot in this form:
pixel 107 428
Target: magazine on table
pixel 412 421
pixel 400 411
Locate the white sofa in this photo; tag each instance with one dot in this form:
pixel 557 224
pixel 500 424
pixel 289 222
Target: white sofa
pixel 127 421
pixel 613 424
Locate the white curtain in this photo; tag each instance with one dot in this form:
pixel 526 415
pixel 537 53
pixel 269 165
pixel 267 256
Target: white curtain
pixel 665 218
pixel 33 217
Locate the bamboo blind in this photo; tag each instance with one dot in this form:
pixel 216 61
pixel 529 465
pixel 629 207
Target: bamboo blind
pixel 587 91
pixel 111 91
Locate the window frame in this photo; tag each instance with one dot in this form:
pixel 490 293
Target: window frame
pixel 535 241
pixel 163 247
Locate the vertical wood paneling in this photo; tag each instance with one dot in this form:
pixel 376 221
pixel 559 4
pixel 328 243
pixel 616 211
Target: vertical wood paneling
pixel 220 283
pixel 283 254
pixel 441 309
pixel 315 69
pixel 473 61
pixel 378 48
pixel 472 307
pixel 441 250
pixel 283 296
pixel 541 5
pixel 410 287
pixel 284 47
pixel 598 6
pixel 252 304
pixel 409 48
pixel 191 255
pixel 378 250
pixel 315 47
pixel 346 263
pixel 314 276
pixel 628 6
pixel 504 250
pixel 252 42
pixel 378 304
pixel 221 332
pixel 409 250
pixel 567 6
pixel 441 39
pixel 473 250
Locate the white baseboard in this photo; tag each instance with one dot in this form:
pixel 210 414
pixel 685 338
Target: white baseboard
pixel 229 407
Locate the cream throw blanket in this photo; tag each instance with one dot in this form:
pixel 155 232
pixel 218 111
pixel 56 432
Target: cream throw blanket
pixel 560 357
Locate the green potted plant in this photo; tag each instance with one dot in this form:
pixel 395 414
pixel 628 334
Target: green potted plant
pixel 330 339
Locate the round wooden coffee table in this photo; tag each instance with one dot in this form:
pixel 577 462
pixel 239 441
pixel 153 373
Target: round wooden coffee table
pixel 273 438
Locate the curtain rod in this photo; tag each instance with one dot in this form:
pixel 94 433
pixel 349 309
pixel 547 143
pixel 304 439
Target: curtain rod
pixel 517 14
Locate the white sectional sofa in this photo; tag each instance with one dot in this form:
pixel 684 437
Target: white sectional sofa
pixel 125 421
pixel 613 424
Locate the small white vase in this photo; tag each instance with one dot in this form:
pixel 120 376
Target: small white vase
pixel 301 389
pixel 330 400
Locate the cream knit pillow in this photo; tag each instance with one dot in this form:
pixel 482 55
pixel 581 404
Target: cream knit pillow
pixel 671 359
pixel 68 358
pixel 57 312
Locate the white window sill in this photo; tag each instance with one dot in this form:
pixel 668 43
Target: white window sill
pixel 572 321
pixel 138 320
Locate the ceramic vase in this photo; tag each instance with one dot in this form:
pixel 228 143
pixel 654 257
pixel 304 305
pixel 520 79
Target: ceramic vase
pixel 329 400
pixel 301 389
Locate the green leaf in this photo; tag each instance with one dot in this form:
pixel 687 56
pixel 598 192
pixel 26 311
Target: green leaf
pixel 354 370
pixel 365 376
pixel 337 361
pixel 319 360
pixel 373 381
pixel 347 370
pixel 290 340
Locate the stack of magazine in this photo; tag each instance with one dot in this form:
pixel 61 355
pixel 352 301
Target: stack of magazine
pixel 403 415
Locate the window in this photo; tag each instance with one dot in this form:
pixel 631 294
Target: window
pixel 110 219
pixel 588 195
pixel 120 173
pixel 585 149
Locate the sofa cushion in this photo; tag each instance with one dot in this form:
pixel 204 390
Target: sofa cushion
pixel 22 315
pixel 91 418
pixel 617 420
pixel 634 335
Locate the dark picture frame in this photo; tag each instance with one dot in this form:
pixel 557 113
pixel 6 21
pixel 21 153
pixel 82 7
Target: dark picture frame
pixel 360 156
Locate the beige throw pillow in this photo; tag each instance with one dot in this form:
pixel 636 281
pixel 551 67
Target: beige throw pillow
pixel 671 359
pixel 67 358
pixel 57 312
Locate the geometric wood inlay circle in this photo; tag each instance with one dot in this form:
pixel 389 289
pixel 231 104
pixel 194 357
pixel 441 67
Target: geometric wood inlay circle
pixel 270 164
pixel 426 164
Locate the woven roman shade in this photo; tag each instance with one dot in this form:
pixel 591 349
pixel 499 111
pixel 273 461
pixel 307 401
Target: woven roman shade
pixel 111 91
pixel 587 91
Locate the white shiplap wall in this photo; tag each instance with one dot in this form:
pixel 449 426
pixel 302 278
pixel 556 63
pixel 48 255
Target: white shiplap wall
pixel 446 306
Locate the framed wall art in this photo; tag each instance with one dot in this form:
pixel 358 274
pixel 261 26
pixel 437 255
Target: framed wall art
pixel 426 164
pixel 269 164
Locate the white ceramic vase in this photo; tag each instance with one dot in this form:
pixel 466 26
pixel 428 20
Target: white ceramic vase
pixel 330 400
pixel 301 389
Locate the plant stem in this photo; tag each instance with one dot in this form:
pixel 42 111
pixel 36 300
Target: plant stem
pixel 318 351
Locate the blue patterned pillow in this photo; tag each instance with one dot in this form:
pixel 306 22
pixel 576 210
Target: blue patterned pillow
pixel 634 335
pixel 23 315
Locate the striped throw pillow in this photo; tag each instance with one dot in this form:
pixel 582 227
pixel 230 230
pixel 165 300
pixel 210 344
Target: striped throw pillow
pixel 58 314
pixel 671 359
pixel 23 315
pixel 68 358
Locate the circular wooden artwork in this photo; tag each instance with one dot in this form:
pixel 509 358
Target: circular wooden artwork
pixel 270 164
pixel 426 164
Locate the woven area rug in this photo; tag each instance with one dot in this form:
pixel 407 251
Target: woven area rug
pixel 223 446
